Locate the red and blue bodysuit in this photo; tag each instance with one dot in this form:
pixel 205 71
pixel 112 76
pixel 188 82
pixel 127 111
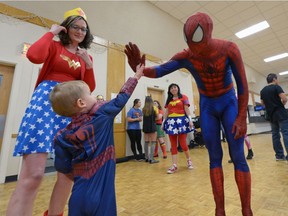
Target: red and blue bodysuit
pixel 212 62
pixel 85 148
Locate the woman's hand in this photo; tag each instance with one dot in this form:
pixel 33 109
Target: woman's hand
pixel 56 29
pixel 82 53
pixel 191 125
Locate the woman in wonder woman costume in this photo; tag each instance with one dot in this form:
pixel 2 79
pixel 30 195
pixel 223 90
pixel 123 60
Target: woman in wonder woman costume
pixel 212 63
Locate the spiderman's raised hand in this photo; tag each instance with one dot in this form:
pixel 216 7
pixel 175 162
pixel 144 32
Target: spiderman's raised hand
pixel 134 56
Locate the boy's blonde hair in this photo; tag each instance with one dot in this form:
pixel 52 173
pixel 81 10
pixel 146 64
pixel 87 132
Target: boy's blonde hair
pixel 64 97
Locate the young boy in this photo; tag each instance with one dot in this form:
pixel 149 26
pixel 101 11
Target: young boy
pixel 85 148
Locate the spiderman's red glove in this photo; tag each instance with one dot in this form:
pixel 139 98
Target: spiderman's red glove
pixel 240 125
pixel 134 56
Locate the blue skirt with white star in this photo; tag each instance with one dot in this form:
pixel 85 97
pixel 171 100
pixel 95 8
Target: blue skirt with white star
pixel 39 124
pixel 177 125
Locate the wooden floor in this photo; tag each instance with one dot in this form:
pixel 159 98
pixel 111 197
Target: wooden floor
pixel 146 190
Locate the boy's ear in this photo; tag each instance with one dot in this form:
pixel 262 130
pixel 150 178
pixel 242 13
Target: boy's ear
pixel 80 103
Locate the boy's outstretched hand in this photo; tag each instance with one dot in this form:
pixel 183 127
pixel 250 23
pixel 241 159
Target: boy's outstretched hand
pixel 134 56
pixel 139 71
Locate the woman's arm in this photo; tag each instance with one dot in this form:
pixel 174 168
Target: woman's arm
pixel 188 113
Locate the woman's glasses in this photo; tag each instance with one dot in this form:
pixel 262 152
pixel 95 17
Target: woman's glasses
pixel 77 28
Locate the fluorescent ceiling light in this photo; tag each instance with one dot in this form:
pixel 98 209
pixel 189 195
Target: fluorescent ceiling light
pixel 276 57
pixel 283 73
pixel 252 29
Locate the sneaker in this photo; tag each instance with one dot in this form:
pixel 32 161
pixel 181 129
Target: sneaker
pixel 189 164
pixel 164 157
pixel 153 161
pixel 250 154
pixel 280 158
pixel 139 159
pixel 172 169
pixel 230 161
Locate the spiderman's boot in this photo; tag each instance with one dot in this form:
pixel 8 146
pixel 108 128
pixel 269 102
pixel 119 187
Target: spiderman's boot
pixel 217 182
pixel 243 180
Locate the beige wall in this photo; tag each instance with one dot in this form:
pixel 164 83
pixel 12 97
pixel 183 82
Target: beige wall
pixel 114 27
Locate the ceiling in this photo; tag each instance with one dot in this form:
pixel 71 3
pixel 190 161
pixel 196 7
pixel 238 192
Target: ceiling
pixel 229 17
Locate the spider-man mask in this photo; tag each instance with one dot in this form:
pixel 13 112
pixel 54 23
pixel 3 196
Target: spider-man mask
pixel 198 32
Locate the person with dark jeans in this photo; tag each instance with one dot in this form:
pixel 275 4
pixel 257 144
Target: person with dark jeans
pixel 134 117
pixel 274 99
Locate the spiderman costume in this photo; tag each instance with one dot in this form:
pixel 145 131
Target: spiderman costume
pixel 212 62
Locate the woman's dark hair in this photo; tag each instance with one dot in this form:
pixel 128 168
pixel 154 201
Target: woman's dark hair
pixel 135 101
pixel 271 77
pixel 64 37
pixel 158 104
pixel 170 96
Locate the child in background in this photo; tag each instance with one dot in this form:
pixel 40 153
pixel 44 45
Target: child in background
pixel 150 113
pixel 85 148
pixel 160 132
pixel 100 98
pixel 134 117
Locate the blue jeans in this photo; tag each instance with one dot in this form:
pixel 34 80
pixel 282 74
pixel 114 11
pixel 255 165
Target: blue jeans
pixel 277 145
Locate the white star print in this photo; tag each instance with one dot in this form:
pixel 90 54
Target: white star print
pixel 41 145
pixel 32 140
pixel 29 115
pixel 171 121
pixel 46 114
pixel 170 128
pixel 184 128
pixel 39 108
pixel 32 127
pixel 46 92
pixel 40 132
pixel 25 148
pixel 39 120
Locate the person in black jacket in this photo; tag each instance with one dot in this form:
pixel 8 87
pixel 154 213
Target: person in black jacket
pixel 274 99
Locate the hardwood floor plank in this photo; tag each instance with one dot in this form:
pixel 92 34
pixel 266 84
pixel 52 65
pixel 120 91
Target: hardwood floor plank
pixel 146 190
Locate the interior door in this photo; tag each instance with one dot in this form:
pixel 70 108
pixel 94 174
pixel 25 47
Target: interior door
pixel 157 94
pixel 6 78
